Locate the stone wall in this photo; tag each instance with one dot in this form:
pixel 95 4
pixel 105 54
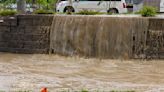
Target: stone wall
pixel 25 34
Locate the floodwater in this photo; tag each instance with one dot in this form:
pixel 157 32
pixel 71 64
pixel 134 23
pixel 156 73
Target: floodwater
pixel 19 72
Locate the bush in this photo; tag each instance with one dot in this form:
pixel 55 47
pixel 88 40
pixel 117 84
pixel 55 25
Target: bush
pixel 83 90
pixel 43 12
pixel 88 12
pixel 148 11
pixel 7 13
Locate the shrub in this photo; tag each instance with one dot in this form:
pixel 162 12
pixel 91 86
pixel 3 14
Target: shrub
pixel 7 13
pixel 43 12
pixel 88 12
pixel 148 11
pixel 83 90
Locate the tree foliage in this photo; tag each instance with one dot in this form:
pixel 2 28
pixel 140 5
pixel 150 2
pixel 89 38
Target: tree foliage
pixel 46 4
pixel 42 4
pixel 6 2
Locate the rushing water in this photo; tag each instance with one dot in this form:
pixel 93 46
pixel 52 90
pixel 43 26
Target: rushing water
pixel 98 36
pixel 32 72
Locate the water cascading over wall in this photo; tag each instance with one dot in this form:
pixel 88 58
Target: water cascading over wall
pixel 98 36
pixel 90 36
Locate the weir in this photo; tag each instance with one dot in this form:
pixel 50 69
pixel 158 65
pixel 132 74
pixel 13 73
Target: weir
pixel 90 36
pixel 98 36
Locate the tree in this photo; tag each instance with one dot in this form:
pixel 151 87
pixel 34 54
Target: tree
pixel 46 4
pixel 51 4
pixel 41 3
pixel 21 6
pixel 7 1
pixel 7 4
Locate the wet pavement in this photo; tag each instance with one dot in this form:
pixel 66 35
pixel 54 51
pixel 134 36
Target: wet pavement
pixel 19 72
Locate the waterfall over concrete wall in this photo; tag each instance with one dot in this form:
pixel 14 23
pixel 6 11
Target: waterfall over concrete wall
pixel 89 36
pixel 97 36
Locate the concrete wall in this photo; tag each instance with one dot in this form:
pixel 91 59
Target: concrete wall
pixel 90 36
pixel 25 34
pixel 97 36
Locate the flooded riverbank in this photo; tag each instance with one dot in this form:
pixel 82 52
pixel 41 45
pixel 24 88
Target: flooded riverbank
pixel 34 71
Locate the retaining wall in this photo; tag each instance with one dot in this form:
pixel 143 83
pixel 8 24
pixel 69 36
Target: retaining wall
pixel 90 36
pixel 97 36
pixel 25 34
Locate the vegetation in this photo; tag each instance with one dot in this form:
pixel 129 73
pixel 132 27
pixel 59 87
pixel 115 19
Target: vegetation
pixel 7 2
pixel 41 11
pixel 47 6
pixel 148 11
pixel 7 12
pixel 84 90
pixel 41 4
pixel 44 4
pixel 88 12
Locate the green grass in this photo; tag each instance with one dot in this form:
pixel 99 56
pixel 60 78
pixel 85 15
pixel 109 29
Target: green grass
pixel 84 90
pixel 7 13
pixel 88 12
pixel 43 12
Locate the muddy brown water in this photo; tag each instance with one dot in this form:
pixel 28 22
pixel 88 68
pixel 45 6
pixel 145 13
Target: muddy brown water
pixel 34 71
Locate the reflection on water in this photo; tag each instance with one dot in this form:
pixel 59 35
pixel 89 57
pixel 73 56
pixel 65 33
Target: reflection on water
pixel 31 72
